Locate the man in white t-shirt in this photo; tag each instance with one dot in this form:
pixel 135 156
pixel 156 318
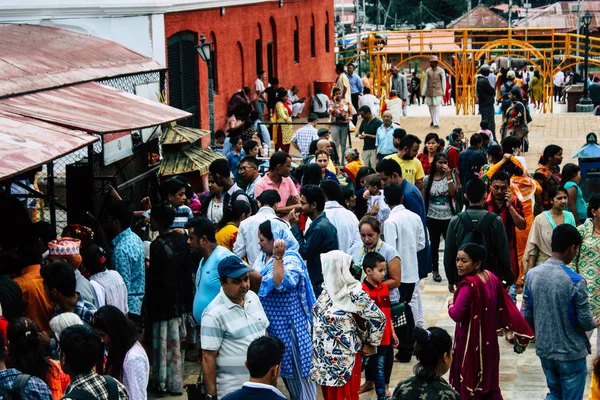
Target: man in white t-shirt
pixel 297 102
pixel 367 99
pixel 320 103
pixel 259 99
pixel 559 82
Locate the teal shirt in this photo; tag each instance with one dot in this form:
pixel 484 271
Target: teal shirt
pixel 579 202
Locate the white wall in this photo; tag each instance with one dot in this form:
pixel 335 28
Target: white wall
pixel 144 34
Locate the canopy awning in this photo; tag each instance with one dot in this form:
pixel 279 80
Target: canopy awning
pixel 93 108
pixel 190 159
pixel 27 143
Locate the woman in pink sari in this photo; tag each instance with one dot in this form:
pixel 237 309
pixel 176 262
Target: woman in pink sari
pixel 480 308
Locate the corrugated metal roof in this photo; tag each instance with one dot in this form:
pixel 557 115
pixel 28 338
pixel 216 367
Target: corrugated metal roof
pixel 177 134
pixel 562 16
pixel 188 160
pixel 92 107
pixel 481 17
pixel 27 143
pixel 34 57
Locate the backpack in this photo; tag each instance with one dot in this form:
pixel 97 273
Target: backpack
pixel 234 196
pixel 17 391
pixel 506 102
pixel 82 394
pixel 481 228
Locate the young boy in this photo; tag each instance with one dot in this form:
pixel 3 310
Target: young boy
pixel 485 129
pixel 222 144
pixel 374 266
pixel 374 196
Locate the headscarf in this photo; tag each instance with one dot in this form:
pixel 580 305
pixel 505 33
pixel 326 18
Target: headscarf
pixel 338 281
pixel 292 260
pixel 524 187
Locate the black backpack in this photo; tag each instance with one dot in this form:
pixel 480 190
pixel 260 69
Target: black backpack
pixel 82 394
pixel 481 229
pixel 17 391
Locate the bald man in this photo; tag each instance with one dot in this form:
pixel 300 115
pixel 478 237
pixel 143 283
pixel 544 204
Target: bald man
pixel 384 139
pixel 324 144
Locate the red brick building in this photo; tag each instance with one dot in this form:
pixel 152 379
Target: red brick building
pixel 292 40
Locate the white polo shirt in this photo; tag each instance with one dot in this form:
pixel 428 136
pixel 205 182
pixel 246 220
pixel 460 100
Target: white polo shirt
pixel 229 328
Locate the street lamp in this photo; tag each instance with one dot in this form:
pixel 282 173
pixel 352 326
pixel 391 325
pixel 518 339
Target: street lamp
pixel 408 37
pixel 205 52
pixel 585 104
pixel 430 45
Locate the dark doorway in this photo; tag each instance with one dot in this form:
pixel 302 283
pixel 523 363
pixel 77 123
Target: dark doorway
pixel 183 75
pixel 270 64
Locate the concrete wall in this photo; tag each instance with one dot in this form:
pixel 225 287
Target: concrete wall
pixel 240 24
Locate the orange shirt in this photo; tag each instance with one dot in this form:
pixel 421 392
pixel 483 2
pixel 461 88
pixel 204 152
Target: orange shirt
pixel 57 380
pixel 36 305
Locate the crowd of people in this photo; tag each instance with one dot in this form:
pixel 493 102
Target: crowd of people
pixel 312 272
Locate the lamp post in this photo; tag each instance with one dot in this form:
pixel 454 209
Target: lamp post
pixel 408 37
pixel 430 46
pixel 204 50
pixel 585 104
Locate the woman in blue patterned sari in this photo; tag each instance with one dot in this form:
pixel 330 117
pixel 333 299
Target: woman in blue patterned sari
pixel 287 298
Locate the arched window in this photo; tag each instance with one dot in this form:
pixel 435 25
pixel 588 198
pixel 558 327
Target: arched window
pixel 313 47
pixel 327 31
pixel 297 43
pixel 272 51
pixel 182 60
pixel 259 54
pixel 215 64
pixel 241 58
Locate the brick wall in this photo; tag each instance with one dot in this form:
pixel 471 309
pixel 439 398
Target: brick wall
pixel 241 24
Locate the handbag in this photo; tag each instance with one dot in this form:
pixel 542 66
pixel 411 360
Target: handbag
pixel 196 391
pixel 521 131
pixel 399 315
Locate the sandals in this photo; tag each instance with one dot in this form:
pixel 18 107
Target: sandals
pixel 437 277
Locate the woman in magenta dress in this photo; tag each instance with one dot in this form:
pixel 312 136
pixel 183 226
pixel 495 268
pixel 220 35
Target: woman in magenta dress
pixel 480 308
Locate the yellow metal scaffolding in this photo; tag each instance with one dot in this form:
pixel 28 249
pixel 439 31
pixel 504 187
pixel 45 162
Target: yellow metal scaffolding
pixel 462 51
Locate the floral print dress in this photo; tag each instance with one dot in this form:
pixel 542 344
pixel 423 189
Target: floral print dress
pixel 337 337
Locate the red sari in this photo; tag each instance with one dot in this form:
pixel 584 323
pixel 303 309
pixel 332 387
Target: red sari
pixel 480 309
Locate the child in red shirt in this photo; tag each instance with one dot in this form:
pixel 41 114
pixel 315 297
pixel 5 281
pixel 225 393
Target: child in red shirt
pixel 374 266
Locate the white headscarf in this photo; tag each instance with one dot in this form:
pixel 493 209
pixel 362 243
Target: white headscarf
pixel 338 281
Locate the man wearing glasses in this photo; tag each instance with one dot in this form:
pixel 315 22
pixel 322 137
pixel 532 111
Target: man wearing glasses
pixel 248 171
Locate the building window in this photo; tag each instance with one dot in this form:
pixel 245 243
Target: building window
pixel 241 58
pixel 272 51
pixel 259 54
pixel 183 75
pixel 327 32
pixel 297 43
pixel 313 48
pixel 215 64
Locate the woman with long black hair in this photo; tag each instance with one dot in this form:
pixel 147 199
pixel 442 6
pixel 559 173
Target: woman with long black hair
pixel 127 360
pixel 440 190
pixel 361 207
pixel 27 354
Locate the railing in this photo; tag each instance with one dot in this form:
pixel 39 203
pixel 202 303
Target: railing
pixel 462 51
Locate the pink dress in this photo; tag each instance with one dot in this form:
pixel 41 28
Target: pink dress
pixel 480 309
pixel 461 314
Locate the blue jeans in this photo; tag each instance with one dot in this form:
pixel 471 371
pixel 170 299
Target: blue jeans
pixel 565 379
pixel 379 359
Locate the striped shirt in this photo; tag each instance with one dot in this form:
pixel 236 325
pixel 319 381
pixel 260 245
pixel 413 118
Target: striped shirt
pixel 229 329
pixel 182 215
pixel 114 287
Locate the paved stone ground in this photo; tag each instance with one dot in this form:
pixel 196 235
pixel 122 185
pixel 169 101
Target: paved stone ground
pixel 521 376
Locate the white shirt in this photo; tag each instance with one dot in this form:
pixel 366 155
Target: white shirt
pixel 136 371
pixel 292 97
pixel 258 385
pixel 371 101
pixel 259 86
pixel 324 103
pixel 114 287
pixel 346 224
pixel 404 230
pixel 559 78
pixel 246 244
pixel 492 80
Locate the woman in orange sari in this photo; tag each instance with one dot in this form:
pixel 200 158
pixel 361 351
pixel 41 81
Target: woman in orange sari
pixel 354 163
pixel 524 188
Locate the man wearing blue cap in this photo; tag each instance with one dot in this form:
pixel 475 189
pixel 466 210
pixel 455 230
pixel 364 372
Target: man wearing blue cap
pixel 229 324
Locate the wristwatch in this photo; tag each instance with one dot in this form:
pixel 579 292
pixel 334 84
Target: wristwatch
pixel 278 257
pixel 211 397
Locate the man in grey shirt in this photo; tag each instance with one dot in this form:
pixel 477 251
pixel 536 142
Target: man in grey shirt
pixel 555 305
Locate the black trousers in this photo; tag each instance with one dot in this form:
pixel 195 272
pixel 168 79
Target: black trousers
pixel 437 229
pixel 355 97
pixel 488 114
pixel 405 333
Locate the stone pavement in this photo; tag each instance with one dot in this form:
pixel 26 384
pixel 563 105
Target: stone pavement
pixel 521 376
